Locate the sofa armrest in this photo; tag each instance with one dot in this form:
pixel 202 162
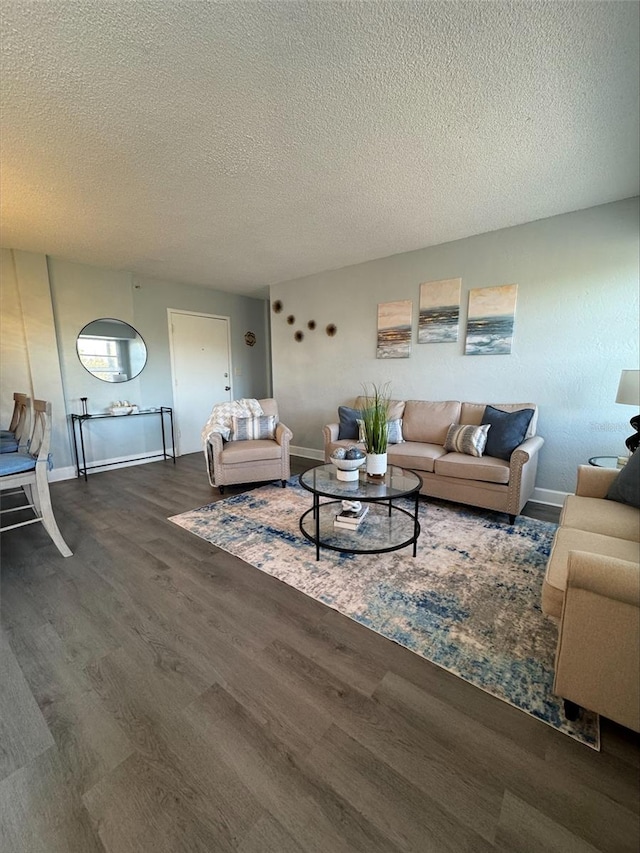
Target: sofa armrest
pixel 594 482
pixel 525 451
pixel 599 643
pixel 213 454
pixel 523 466
pixel 330 434
pixel 609 577
pixel 283 434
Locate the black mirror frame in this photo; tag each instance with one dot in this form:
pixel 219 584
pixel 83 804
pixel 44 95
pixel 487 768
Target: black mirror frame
pixel 138 337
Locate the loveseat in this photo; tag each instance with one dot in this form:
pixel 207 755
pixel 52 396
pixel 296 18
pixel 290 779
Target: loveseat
pixel 500 484
pixel 592 589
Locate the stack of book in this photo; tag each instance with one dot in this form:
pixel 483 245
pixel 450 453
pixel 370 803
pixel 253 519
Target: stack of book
pixel 349 519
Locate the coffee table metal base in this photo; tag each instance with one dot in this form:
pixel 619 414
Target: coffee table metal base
pixel 386 528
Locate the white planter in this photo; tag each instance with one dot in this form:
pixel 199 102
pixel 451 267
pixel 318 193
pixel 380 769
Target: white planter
pixel 376 464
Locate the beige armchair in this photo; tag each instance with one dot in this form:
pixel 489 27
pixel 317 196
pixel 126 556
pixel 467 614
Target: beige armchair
pixel 250 461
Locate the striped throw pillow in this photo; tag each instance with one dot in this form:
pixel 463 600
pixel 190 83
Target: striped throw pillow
pixel 467 439
pixel 248 429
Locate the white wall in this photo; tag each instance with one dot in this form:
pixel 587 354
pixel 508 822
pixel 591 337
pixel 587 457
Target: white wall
pixel 576 329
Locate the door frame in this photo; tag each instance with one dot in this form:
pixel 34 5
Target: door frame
pixel 227 320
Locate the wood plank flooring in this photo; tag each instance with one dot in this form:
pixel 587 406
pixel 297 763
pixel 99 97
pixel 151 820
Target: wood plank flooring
pixel 157 694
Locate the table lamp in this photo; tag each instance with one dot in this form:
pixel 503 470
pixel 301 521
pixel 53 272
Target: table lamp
pixel 629 394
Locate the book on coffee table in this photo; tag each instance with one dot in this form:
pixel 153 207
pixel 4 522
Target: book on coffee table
pixel 350 520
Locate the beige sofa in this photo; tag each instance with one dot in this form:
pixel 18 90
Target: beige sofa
pixel 496 484
pixel 592 587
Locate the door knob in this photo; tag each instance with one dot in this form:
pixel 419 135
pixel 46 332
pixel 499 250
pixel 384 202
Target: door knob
pixel 227 387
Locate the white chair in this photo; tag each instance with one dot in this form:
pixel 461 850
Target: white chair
pixel 26 470
pixel 11 437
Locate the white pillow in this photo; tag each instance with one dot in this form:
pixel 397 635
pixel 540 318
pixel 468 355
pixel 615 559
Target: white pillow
pixel 248 429
pixel 394 431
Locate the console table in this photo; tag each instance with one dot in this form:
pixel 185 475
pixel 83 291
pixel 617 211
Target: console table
pixel 78 423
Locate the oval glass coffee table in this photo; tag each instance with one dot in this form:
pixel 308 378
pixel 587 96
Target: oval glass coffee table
pixel 386 526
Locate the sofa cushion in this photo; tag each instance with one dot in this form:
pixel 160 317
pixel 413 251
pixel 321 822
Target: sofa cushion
pixel 487 468
pixel 348 422
pixel 428 421
pixel 626 486
pixel 250 451
pixel 508 430
pixel 471 413
pixel 416 455
pixel 569 539
pixel 599 516
pixel 463 438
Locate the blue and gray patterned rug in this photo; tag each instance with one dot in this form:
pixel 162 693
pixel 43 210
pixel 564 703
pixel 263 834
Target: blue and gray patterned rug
pixel 469 602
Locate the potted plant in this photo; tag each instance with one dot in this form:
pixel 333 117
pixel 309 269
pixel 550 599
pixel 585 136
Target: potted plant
pixel 374 419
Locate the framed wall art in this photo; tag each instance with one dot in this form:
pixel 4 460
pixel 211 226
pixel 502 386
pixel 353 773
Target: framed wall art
pixel 439 317
pixel 492 312
pixel 394 329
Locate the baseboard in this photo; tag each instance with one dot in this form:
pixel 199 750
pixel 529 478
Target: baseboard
pixel 307 453
pixel 548 496
pixel 62 474
pixel 106 465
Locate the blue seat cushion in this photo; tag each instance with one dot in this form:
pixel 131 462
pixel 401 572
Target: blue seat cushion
pixel 8 445
pixel 16 463
pixel 6 433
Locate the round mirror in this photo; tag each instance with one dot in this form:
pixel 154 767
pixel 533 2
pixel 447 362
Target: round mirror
pixel 111 350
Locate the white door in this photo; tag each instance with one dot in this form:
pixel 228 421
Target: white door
pixel 201 366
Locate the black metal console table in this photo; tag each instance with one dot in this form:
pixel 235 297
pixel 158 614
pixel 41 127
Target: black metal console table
pixel 77 425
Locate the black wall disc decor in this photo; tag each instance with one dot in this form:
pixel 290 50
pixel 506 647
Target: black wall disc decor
pixel 298 336
pixel 311 324
pixel 250 339
pixel 277 306
pixel 291 319
pixel 331 329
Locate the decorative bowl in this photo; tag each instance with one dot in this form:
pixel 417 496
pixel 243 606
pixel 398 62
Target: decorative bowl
pixel 348 464
pixel 121 410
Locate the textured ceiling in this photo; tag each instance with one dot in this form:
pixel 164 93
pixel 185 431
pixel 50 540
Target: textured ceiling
pixel 241 144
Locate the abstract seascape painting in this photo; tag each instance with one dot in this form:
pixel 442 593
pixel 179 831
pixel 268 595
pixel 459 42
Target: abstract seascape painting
pixel 394 329
pixel 490 322
pixel 439 311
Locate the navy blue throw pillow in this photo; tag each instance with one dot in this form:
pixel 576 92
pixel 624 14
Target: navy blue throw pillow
pixel 508 430
pixel 626 487
pixel 348 422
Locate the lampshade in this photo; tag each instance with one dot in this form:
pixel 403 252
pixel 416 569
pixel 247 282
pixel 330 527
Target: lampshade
pixel 629 388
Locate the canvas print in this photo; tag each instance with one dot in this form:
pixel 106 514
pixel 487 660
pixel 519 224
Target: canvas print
pixel 394 329
pixel 439 311
pixel 492 312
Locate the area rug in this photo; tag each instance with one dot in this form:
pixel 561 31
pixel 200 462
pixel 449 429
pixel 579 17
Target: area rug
pixel 469 602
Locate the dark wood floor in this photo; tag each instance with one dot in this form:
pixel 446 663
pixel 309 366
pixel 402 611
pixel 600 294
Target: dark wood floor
pixel 157 694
